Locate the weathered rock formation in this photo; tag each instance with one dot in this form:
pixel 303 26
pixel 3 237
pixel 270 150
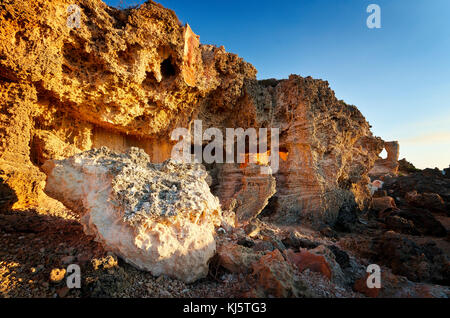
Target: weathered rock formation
pixel 329 147
pixel 158 217
pixel 244 190
pixel 127 78
pixel 422 200
pixel 326 147
pixel 390 165
pixel 123 78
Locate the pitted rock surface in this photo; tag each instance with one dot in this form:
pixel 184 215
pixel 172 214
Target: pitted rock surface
pixel 158 217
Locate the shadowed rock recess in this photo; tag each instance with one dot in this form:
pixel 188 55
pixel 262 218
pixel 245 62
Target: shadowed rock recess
pixel 86 115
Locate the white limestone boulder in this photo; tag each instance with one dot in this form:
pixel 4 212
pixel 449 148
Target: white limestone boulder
pixel 158 217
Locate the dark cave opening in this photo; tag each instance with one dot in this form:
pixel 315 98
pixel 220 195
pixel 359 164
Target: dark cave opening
pixel 168 69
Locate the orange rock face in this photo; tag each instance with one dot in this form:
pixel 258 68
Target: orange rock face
pixel 236 258
pixel 123 78
pixel 328 147
pixel 245 190
pixel 127 78
pixel 191 56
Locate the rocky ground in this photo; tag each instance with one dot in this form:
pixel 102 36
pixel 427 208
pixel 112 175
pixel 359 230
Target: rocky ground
pixel 128 78
pixel 34 245
pixel 406 236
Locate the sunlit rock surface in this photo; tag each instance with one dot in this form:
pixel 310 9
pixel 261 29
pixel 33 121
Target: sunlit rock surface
pixel 244 189
pixel 328 146
pixel 127 78
pixel 123 78
pixel 157 217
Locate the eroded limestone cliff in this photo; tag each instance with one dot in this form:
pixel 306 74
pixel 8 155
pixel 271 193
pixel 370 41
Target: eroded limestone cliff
pixel 127 78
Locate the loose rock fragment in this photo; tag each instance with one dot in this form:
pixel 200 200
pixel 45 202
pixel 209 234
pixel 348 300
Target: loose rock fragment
pixel 57 275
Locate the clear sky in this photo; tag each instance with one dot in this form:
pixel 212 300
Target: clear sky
pixel 398 76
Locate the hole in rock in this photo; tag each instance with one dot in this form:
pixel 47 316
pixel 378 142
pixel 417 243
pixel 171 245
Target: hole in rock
pixel 168 69
pixel 283 152
pixel 344 183
pixel 150 79
pixel 36 152
pixel 8 195
pixel 270 208
pixel 383 154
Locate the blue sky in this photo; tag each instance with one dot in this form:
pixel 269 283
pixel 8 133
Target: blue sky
pixel 398 76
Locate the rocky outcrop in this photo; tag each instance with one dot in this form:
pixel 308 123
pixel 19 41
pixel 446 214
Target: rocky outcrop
pixel 406 167
pixel 243 189
pixel 127 78
pixel 158 217
pixel 275 277
pixel 132 71
pixel 419 263
pixel 122 78
pixel 328 146
pixel 236 258
pixel 390 165
pixel 417 204
pixel 427 188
